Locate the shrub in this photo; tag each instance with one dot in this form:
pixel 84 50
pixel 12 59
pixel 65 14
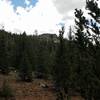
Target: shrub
pixel 6 91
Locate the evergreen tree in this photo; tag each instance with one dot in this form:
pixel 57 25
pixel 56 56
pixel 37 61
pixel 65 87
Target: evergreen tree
pixel 81 36
pixel 94 25
pixel 42 61
pixel 4 52
pixel 86 77
pixel 60 66
pixel 25 68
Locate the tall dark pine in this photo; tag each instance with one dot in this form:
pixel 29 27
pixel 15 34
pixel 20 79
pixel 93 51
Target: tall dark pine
pixel 94 22
pixel 40 69
pixel 85 63
pixel 25 68
pixel 4 52
pixel 94 26
pixel 81 36
pixel 70 37
pixel 60 66
pixel 25 71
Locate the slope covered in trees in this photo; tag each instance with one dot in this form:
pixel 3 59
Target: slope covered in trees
pixel 72 64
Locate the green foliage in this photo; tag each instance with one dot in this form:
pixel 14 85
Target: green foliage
pixel 73 63
pixel 5 52
pixel 25 68
pixel 87 78
pixel 82 38
pixel 94 12
pixel 60 64
pixel 6 91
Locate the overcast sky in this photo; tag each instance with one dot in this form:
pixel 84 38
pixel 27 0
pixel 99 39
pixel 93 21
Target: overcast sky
pixel 42 15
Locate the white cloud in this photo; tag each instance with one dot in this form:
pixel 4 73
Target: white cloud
pixel 64 6
pixel 45 16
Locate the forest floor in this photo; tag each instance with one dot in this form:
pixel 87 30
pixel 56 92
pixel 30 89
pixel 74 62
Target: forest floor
pixel 33 90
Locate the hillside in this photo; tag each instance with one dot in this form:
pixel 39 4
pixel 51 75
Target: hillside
pixel 28 91
pixel 31 91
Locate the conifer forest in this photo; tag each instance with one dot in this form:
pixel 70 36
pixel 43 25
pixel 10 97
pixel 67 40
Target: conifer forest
pixel 71 64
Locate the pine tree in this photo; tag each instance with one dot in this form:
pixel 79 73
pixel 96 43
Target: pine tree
pixel 25 67
pixel 85 61
pixel 94 25
pixel 81 36
pixel 60 66
pixel 4 52
pixel 42 61
pixel 25 70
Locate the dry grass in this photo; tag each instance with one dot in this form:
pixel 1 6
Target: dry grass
pixel 28 91
pixel 31 91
